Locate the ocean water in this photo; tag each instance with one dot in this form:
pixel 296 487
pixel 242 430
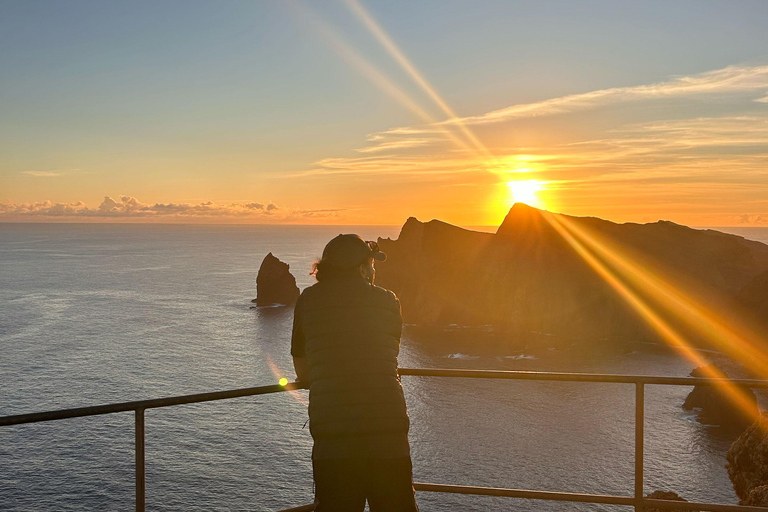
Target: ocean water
pixel 93 314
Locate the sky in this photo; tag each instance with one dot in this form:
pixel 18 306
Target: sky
pixel 369 112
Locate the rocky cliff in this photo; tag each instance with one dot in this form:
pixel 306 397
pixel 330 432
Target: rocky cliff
pixel 528 277
pixel 748 464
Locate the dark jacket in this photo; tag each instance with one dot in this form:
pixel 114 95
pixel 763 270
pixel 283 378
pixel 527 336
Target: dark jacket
pixel 349 331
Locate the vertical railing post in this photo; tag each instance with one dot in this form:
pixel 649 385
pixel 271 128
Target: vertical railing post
pixel 140 476
pixel 639 438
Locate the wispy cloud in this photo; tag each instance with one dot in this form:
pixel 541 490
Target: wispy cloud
pixel 727 80
pixel 130 207
pixel 42 174
pixel 739 137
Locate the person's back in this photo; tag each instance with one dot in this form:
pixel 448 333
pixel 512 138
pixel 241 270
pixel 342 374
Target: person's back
pixel 346 341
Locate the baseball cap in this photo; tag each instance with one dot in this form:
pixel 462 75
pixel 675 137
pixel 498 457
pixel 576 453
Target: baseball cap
pixel 350 251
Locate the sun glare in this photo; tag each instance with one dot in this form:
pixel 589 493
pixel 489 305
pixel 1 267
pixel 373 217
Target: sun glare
pixel 525 191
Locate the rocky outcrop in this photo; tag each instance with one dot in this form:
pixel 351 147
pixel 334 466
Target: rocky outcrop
pixel 716 406
pixel 275 284
pixel 758 496
pixel 534 275
pixel 748 462
pixel 665 495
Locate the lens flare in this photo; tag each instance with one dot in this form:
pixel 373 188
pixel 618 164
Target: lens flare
pixel 277 372
pixel 587 247
pixel 394 51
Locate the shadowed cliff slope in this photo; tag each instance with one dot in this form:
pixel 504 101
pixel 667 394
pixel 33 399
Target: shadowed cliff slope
pixel 528 277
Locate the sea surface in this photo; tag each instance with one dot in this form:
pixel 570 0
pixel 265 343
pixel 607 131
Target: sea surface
pixel 93 314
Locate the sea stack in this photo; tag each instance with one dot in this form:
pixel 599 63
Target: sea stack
pixel 275 284
pixel 716 407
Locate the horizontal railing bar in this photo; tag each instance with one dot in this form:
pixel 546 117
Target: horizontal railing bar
pixel 524 493
pixel 582 498
pixel 703 507
pixel 579 377
pixel 303 508
pixel 146 404
pixel 423 372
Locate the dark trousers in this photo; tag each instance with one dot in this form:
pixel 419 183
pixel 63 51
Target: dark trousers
pixel 343 485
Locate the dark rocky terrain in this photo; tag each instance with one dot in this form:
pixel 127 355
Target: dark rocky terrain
pixel 748 464
pixel 526 277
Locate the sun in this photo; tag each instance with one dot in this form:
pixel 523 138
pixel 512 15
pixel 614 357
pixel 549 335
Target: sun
pixel 525 191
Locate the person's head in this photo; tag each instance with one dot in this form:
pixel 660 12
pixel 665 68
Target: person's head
pixel 348 256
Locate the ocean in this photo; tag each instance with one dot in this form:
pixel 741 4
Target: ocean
pixel 100 313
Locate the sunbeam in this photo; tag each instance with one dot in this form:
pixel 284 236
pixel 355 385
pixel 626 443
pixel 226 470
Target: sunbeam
pixel 394 51
pixel 647 313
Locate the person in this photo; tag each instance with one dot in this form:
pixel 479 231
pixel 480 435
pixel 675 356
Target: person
pixel 345 343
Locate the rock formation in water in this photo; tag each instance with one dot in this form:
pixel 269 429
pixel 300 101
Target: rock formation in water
pixel 665 495
pixel 546 272
pixel 716 407
pixel 275 284
pixel 748 462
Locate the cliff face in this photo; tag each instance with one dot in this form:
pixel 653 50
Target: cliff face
pixel 748 463
pixel 526 276
pixel 753 297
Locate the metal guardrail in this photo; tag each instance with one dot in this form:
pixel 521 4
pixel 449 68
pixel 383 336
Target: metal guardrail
pixel 638 500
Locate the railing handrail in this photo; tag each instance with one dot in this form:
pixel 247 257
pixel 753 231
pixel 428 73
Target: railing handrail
pixel 580 377
pixel 154 403
pixel 638 500
pixel 59 414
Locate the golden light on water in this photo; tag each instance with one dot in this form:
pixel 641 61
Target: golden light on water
pixel 525 191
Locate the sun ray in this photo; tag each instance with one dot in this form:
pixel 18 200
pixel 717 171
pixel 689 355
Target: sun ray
pixel 647 313
pixel 394 51
pixel 375 75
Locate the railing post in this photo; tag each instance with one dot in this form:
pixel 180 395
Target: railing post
pixel 140 477
pixel 639 433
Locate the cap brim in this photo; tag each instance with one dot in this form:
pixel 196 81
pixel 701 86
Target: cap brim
pixel 379 256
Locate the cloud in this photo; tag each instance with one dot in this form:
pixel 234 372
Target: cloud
pixel 729 145
pixel 753 219
pixel 727 80
pixel 42 174
pixel 130 207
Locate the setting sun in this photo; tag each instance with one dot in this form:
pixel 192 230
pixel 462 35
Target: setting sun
pixel 525 191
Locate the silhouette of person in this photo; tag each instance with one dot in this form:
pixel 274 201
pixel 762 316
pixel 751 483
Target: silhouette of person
pixel 345 343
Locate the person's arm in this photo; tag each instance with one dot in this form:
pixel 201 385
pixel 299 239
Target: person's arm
pixel 301 366
pixel 298 345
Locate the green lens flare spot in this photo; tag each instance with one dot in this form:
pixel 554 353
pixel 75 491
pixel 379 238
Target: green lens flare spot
pixel 283 381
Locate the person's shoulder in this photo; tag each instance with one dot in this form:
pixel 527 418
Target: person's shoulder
pixel 385 295
pixel 307 293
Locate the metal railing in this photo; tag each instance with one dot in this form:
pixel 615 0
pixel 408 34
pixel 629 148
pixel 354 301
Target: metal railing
pixel 638 501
